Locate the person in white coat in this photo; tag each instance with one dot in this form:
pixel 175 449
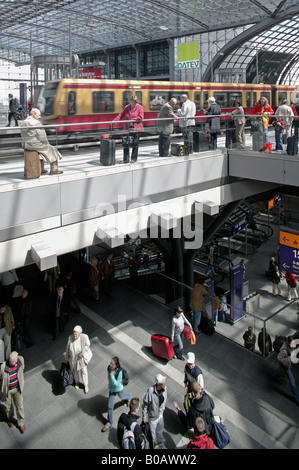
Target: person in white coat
pixel 78 355
pixel 187 110
pixel 285 114
pixel 178 323
pixel 35 138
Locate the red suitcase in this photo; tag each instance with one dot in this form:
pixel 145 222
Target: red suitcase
pixel 162 346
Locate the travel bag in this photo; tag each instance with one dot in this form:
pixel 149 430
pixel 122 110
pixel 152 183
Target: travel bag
pixel 258 141
pixel 107 152
pixel 207 326
pixel 187 332
pixel 178 150
pixel 230 138
pixel 32 168
pixel 162 346
pixel 66 375
pixel 292 145
pixel 200 141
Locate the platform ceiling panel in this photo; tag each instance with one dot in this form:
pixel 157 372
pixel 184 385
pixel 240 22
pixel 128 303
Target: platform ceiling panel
pixel 103 24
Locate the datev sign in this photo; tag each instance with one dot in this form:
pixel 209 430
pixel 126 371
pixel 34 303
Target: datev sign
pixel 188 55
pixel 289 251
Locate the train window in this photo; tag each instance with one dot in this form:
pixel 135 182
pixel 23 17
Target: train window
pixel 282 95
pixel 254 98
pixel 248 99
pixel 205 99
pixel 157 99
pixel 197 100
pixel 127 96
pixel 102 101
pixel 221 98
pixel 177 95
pixel 232 96
pixel 71 103
pixel 46 101
pixel 266 94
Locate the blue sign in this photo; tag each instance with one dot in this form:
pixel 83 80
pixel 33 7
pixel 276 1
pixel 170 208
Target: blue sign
pixel 289 259
pixel 238 227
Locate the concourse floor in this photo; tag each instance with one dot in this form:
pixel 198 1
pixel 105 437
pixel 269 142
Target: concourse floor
pixel 258 412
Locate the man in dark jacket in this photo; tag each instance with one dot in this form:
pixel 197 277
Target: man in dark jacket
pixel 22 312
pixel 201 406
pixel 214 122
pixel 13 107
pixel 60 307
pixel 107 273
pixel 125 422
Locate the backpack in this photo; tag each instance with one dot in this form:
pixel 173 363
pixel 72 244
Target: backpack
pixel 128 440
pixel 125 378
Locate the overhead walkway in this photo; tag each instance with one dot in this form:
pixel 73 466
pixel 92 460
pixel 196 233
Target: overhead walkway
pixel 89 202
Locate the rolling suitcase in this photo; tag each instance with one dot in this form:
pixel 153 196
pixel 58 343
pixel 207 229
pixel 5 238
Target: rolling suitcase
pixel 107 152
pixel 200 141
pixel 230 137
pixel 32 167
pixel 178 150
pixel 162 346
pixel 258 141
pixel 292 145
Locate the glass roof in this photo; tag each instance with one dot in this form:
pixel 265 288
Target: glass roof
pixel 54 27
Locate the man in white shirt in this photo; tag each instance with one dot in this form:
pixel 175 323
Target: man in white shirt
pixel 188 110
pixel 285 110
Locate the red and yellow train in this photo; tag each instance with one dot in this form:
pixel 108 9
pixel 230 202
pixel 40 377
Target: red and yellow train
pixel 96 102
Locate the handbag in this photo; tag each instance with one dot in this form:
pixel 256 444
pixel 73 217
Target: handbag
pixel 219 434
pixel 87 356
pixel 66 375
pixel 130 140
pixel 187 331
pixel 268 147
pixel 193 338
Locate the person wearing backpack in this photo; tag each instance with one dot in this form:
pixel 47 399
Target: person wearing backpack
pixel 116 387
pixel 129 432
pixel 200 440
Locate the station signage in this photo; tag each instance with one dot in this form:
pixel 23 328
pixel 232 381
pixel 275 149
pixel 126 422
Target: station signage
pixel 238 227
pixel 289 259
pixel 188 55
pixel 290 239
pixel 274 201
pixel 91 72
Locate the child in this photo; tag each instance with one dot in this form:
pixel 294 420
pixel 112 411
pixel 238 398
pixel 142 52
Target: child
pixel 279 127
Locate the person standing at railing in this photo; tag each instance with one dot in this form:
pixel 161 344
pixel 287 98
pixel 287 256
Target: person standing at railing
pixel 263 108
pixel 239 121
pixel 285 115
pixel 187 110
pixel 132 112
pixel 165 127
pixel 214 122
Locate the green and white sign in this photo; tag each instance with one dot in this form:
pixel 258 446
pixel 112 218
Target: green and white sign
pixel 188 55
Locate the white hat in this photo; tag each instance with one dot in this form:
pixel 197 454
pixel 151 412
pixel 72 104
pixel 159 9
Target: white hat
pixel 160 379
pixel 212 99
pixel 78 329
pixel 293 344
pixel 190 358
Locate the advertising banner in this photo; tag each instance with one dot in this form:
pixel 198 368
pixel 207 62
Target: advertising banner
pixel 188 55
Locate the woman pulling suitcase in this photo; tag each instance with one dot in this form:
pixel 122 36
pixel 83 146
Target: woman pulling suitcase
pixel 178 323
